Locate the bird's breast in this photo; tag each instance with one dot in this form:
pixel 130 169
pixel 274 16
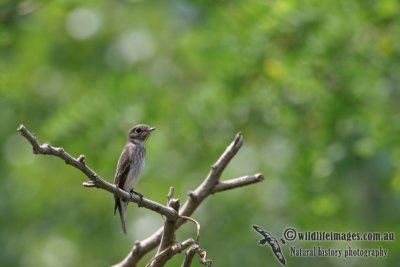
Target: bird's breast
pixel 136 167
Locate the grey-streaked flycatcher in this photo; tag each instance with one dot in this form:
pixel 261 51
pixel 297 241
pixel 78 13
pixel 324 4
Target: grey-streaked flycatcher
pixel 130 166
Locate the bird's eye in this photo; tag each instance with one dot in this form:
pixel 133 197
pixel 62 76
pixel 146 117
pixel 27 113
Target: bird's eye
pixel 138 130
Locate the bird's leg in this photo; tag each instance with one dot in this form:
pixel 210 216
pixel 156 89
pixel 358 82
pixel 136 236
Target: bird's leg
pixel 139 195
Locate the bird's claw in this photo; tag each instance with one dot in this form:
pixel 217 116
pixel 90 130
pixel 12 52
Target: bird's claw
pixel 139 195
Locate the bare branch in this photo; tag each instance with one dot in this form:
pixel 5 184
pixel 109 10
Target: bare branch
pixel 96 180
pixel 205 188
pixel 237 182
pixel 168 248
pixel 218 167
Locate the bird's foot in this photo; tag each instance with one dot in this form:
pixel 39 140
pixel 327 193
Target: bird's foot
pixel 139 195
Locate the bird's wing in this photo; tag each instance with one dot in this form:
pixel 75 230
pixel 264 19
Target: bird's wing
pixel 122 168
pixel 120 177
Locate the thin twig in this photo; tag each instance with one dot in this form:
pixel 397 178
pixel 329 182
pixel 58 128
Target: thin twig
pixel 197 227
pixel 237 182
pixel 170 194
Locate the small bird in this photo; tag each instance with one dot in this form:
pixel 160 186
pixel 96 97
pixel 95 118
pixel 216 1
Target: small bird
pixel 130 166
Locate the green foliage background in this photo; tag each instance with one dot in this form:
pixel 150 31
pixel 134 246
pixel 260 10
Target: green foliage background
pixel 313 86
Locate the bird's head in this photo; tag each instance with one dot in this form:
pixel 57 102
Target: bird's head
pixel 140 133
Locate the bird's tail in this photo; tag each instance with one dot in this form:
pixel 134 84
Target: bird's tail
pixel 121 206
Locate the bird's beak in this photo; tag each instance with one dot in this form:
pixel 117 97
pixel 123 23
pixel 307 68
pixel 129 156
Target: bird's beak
pixel 152 129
